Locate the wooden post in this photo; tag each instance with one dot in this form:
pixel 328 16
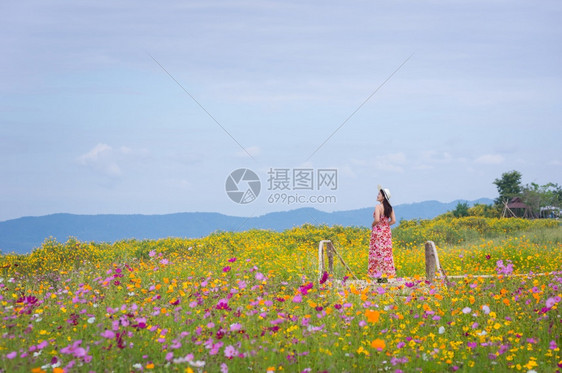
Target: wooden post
pixel 431 261
pixel 329 248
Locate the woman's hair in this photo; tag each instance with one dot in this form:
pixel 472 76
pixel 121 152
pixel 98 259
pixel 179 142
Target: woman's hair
pixel 386 205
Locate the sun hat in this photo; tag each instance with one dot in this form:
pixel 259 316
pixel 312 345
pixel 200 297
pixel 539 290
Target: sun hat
pixel 385 192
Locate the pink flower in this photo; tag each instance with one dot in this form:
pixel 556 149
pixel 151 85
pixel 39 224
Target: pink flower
pixel 297 298
pixel 550 302
pixel 12 355
pixel 503 269
pixel 151 253
pixel 108 334
pixel 230 352
pixel 259 276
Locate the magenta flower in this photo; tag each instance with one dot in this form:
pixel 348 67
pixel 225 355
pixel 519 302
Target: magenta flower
pixel 324 277
pixel 223 305
pixel 232 260
pixel 305 288
pixel 226 269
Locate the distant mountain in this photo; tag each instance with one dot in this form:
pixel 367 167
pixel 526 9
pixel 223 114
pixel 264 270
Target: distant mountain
pixel 23 234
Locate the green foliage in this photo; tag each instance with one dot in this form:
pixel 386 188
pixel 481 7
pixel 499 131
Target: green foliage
pixel 461 210
pixel 509 186
pixel 539 196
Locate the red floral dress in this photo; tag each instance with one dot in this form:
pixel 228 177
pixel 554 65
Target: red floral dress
pixel 381 260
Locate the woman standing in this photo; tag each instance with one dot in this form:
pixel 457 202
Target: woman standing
pixel 381 261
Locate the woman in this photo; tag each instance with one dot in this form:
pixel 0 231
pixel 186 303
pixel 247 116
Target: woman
pixel 381 261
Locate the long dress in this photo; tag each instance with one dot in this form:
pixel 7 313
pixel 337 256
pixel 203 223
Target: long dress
pixel 381 260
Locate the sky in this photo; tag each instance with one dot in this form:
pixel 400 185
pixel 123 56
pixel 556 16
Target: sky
pixel 139 107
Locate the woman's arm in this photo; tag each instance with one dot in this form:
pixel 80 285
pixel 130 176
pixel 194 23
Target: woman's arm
pixel 377 215
pixel 392 218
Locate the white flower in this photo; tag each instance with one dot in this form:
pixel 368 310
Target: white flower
pixel 137 366
pixel 197 364
pixel 91 320
pixel 466 310
pixel 486 309
pixel 441 329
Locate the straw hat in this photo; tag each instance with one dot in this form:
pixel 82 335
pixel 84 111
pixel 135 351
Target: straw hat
pixel 385 192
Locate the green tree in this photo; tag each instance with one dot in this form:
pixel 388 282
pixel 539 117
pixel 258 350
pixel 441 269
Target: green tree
pixel 461 210
pixel 539 196
pixel 509 186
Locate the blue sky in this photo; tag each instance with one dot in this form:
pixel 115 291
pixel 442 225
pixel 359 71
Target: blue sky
pixel 90 123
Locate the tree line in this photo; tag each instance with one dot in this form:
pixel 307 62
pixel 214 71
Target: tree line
pixel 542 200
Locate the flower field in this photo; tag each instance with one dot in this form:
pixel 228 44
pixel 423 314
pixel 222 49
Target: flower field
pixel 252 301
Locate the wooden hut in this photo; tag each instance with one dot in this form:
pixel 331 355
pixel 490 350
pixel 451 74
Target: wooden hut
pixel 516 208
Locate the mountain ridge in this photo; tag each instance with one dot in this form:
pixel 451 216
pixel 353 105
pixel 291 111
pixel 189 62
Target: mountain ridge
pixel 23 234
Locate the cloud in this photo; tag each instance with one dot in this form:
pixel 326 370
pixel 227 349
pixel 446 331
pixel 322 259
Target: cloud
pixel 429 159
pixel 102 159
pixel 490 159
pixel 106 160
pixel 391 162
